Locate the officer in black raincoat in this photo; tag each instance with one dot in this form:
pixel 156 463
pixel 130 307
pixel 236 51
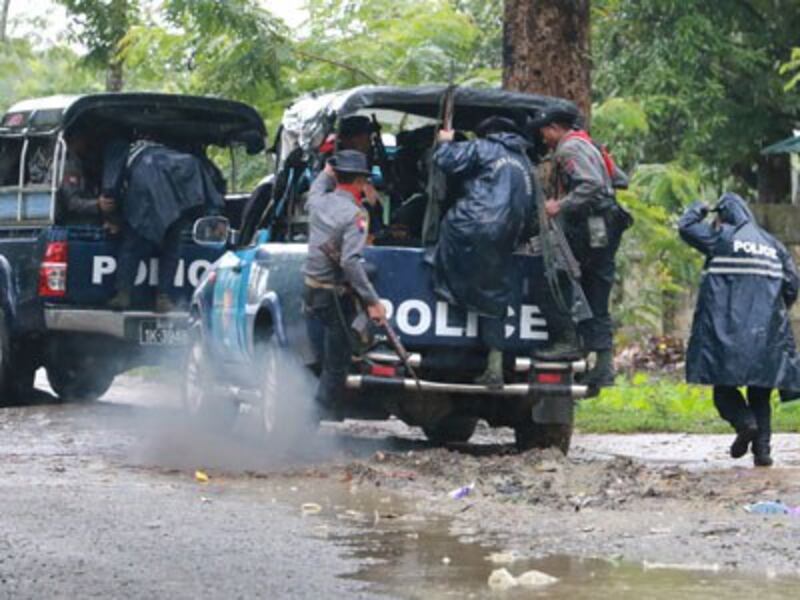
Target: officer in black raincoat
pixel 472 260
pixel 741 334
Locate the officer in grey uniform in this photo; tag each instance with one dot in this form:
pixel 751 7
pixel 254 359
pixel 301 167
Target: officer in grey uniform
pixel 585 179
pixel 335 274
pixel 79 204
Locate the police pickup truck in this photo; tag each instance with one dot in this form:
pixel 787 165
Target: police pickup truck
pixel 248 307
pixel 57 269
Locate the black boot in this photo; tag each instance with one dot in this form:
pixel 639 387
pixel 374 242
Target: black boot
pixel 602 375
pixel 744 436
pixel 563 346
pixel 762 410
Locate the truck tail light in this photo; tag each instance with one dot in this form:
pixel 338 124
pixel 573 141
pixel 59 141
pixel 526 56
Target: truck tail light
pixel 382 371
pixel 53 271
pixel 549 378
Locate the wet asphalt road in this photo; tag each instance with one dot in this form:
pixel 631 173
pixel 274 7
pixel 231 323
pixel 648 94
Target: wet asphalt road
pixel 88 509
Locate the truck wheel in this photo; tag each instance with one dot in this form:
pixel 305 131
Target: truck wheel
pixel 5 358
pixel 200 397
pixel 76 383
pixel 286 395
pixel 543 435
pixel 451 429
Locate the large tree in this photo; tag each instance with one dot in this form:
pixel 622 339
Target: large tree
pixel 4 5
pixel 546 49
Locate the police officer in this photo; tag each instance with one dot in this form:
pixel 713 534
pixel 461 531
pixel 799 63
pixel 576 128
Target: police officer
pixel 79 202
pixel 585 178
pixel 335 270
pixel 741 334
pixel 478 235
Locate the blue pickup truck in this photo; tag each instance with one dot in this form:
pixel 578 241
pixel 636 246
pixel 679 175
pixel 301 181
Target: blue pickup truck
pixel 57 273
pixel 247 310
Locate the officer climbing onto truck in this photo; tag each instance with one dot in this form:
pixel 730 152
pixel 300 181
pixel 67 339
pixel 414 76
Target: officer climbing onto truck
pixel 478 235
pixel 585 178
pixel 334 269
pixel 741 334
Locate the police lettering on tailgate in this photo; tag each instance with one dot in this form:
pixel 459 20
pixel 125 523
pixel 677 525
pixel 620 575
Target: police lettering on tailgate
pixel 106 266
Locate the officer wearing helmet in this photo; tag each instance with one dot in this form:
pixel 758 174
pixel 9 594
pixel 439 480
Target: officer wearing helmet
pixel 584 182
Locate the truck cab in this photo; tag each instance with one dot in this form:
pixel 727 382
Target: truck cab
pixel 57 268
pixel 249 306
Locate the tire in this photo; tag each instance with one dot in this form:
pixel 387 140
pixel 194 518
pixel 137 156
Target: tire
pixel 543 435
pixel 76 383
pixel 5 360
pixel 451 429
pixel 199 396
pixel 286 397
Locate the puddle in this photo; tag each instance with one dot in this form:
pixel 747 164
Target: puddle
pixel 407 555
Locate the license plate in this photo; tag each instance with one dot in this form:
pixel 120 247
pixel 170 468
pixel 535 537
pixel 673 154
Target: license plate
pixel 162 333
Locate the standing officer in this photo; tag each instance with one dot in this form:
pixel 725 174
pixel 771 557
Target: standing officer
pixel 585 178
pixel 741 333
pixel 334 268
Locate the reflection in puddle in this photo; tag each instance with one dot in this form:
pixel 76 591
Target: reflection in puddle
pixel 406 555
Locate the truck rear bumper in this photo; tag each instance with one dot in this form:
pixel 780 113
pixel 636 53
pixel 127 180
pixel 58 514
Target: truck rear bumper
pixel 124 325
pixel 362 382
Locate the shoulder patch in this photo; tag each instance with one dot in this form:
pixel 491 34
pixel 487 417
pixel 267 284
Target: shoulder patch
pixel 361 222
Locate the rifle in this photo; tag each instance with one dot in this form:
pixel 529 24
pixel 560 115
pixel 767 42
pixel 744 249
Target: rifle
pixel 558 256
pixel 436 181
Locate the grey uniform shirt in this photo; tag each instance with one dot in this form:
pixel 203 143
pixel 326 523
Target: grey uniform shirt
pixel 583 181
pixel 77 198
pixel 336 220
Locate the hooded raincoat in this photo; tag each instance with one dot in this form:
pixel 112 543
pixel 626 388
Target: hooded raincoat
pixel 741 334
pixel 472 261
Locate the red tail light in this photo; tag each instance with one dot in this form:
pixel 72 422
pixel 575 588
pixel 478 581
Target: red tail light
pixel 53 271
pixel 551 378
pixel 382 371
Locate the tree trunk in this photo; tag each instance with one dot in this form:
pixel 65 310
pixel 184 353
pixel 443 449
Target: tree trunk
pixel 4 19
pixel 115 76
pixel 774 179
pixel 546 49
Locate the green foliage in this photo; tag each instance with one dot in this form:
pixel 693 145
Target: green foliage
pixel 792 67
pixel 645 403
pixel 706 74
pixel 621 123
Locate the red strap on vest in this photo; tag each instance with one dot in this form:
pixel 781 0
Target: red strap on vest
pixel 611 166
pixel 354 189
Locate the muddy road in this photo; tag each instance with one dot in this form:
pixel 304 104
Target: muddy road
pixel 104 500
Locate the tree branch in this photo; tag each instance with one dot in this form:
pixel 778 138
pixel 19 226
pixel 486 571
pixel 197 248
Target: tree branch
pixel 335 63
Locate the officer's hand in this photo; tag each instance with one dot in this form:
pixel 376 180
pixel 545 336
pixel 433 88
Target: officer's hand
pixel 446 135
pixel 371 194
pixel 377 312
pixel 106 205
pixel 329 170
pixel 552 207
pixel 111 228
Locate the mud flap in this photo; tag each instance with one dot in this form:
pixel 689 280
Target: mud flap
pixel 559 410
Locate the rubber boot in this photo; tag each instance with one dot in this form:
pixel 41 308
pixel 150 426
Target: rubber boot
pixel 121 301
pixel 164 304
pixel 564 346
pixel 493 375
pixel 602 375
pixel 745 435
pixel 760 405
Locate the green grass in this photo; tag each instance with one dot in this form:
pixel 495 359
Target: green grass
pixel 645 403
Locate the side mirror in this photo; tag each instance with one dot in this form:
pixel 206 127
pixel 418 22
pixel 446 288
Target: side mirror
pixel 212 232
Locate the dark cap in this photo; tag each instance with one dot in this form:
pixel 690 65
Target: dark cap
pixel 350 161
pixel 497 124
pixel 563 116
pixel 355 125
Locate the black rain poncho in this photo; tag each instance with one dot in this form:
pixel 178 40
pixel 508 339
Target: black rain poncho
pixel 156 185
pixel 741 333
pixel 472 260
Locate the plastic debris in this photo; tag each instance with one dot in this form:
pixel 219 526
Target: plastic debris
pixel 462 492
pixel 445 560
pixel 311 508
pixel 536 579
pixel 201 476
pixel 205 500
pixel 501 579
pixel 768 507
pixel 502 558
